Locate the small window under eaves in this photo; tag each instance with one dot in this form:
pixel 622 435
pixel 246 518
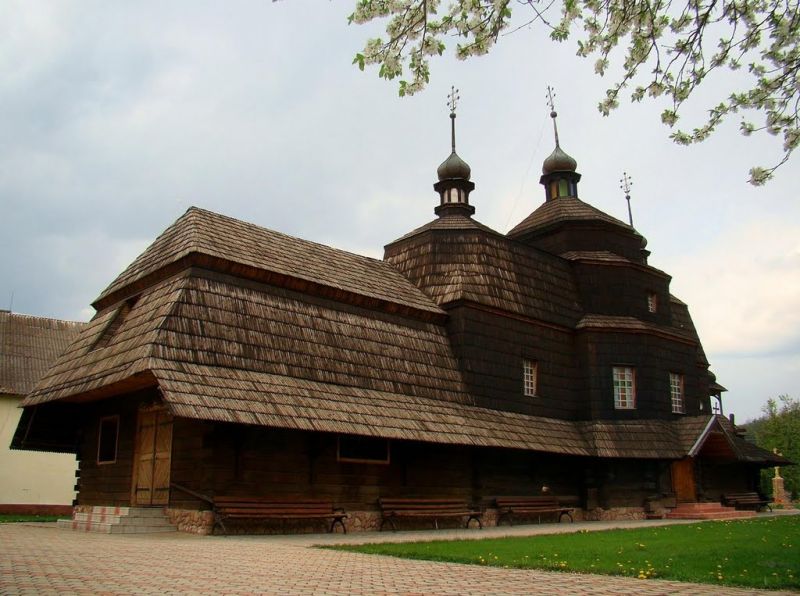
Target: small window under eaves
pixel 116 321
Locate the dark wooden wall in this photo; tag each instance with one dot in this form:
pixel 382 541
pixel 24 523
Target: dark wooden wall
pixel 654 358
pixel 491 349
pixel 221 459
pixel 716 478
pixel 623 291
pixel 589 236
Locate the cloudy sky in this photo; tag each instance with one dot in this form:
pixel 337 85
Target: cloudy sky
pixel 116 117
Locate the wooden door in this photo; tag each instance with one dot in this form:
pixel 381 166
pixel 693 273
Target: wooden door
pixel 683 480
pixel 153 456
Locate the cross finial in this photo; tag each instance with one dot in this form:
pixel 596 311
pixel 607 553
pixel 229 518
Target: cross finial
pixel 625 184
pixel 551 96
pixel 452 100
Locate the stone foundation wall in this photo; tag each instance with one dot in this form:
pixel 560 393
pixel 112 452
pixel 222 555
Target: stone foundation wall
pixel 613 514
pixel 191 521
pixel 202 522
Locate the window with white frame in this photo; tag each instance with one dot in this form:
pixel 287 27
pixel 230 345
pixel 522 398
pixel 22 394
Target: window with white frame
pixel 676 391
pixel 530 371
pixel 624 388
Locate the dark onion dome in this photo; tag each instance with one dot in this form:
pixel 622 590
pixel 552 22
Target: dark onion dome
pixel 454 168
pixel 558 161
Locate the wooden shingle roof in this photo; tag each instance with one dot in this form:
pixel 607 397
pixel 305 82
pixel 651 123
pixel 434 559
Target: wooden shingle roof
pixel 561 210
pixel 28 346
pixel 206 319
pixel 635 438
pixel 742 450
pixel 451 221
pixel 483 267
pixel 212 240
pixel 229 395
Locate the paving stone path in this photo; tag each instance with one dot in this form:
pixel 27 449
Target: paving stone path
pixel 40 559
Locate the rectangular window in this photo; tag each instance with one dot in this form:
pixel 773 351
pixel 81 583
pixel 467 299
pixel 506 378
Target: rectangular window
pixel 676 391
pixel 107 438
pixel 624 388
pixel 652 302
pixel 366 450
pixel 530 372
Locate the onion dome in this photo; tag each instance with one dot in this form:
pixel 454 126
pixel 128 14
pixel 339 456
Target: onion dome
pixel 454 167
pixel 559 161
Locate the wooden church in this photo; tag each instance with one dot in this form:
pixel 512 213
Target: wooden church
pixel 233 360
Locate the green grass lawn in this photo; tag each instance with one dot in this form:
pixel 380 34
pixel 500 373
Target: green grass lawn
pixel 758 553
pixel 8 519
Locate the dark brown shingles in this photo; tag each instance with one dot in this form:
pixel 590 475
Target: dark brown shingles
pixel 224 394
pixel 216 322
pixel 646 439
pixel 617 323
pixel 81 368
pixel 490 270
pixel 238 242
pixel 28 346
pixel 455 221
pixel 561 210
pixel 745 450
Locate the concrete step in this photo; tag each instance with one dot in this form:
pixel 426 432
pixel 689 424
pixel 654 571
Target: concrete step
pixel 724 515
pixel 107 528
pixel 119 520
pixel 707 511
pixel 129 511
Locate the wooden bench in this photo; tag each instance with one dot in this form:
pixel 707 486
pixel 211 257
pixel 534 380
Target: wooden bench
pixel 526 506
pixel 228 508
pixel 391 509
pixel 745 500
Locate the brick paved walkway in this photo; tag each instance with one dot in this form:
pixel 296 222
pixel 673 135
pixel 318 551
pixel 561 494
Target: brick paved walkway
pixel 46 560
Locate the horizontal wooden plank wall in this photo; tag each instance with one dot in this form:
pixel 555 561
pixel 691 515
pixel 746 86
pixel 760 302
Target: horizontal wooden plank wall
pixel 220 459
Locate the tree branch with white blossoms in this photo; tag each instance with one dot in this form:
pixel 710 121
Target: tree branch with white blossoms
pixel 669 49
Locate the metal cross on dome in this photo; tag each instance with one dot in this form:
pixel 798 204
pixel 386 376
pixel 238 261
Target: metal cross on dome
pixel 551 95
pixel 452 99
pixel 625 185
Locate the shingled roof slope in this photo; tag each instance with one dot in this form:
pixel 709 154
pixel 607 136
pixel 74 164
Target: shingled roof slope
pixel 203 232
pixel 452 221
pixel 489 269
pixel 248 397
pixel 28 346
pixel 634 438
pixel 561 210
pixel 225 322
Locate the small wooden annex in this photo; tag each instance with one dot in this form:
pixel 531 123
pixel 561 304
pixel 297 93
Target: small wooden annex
pixel 229 359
